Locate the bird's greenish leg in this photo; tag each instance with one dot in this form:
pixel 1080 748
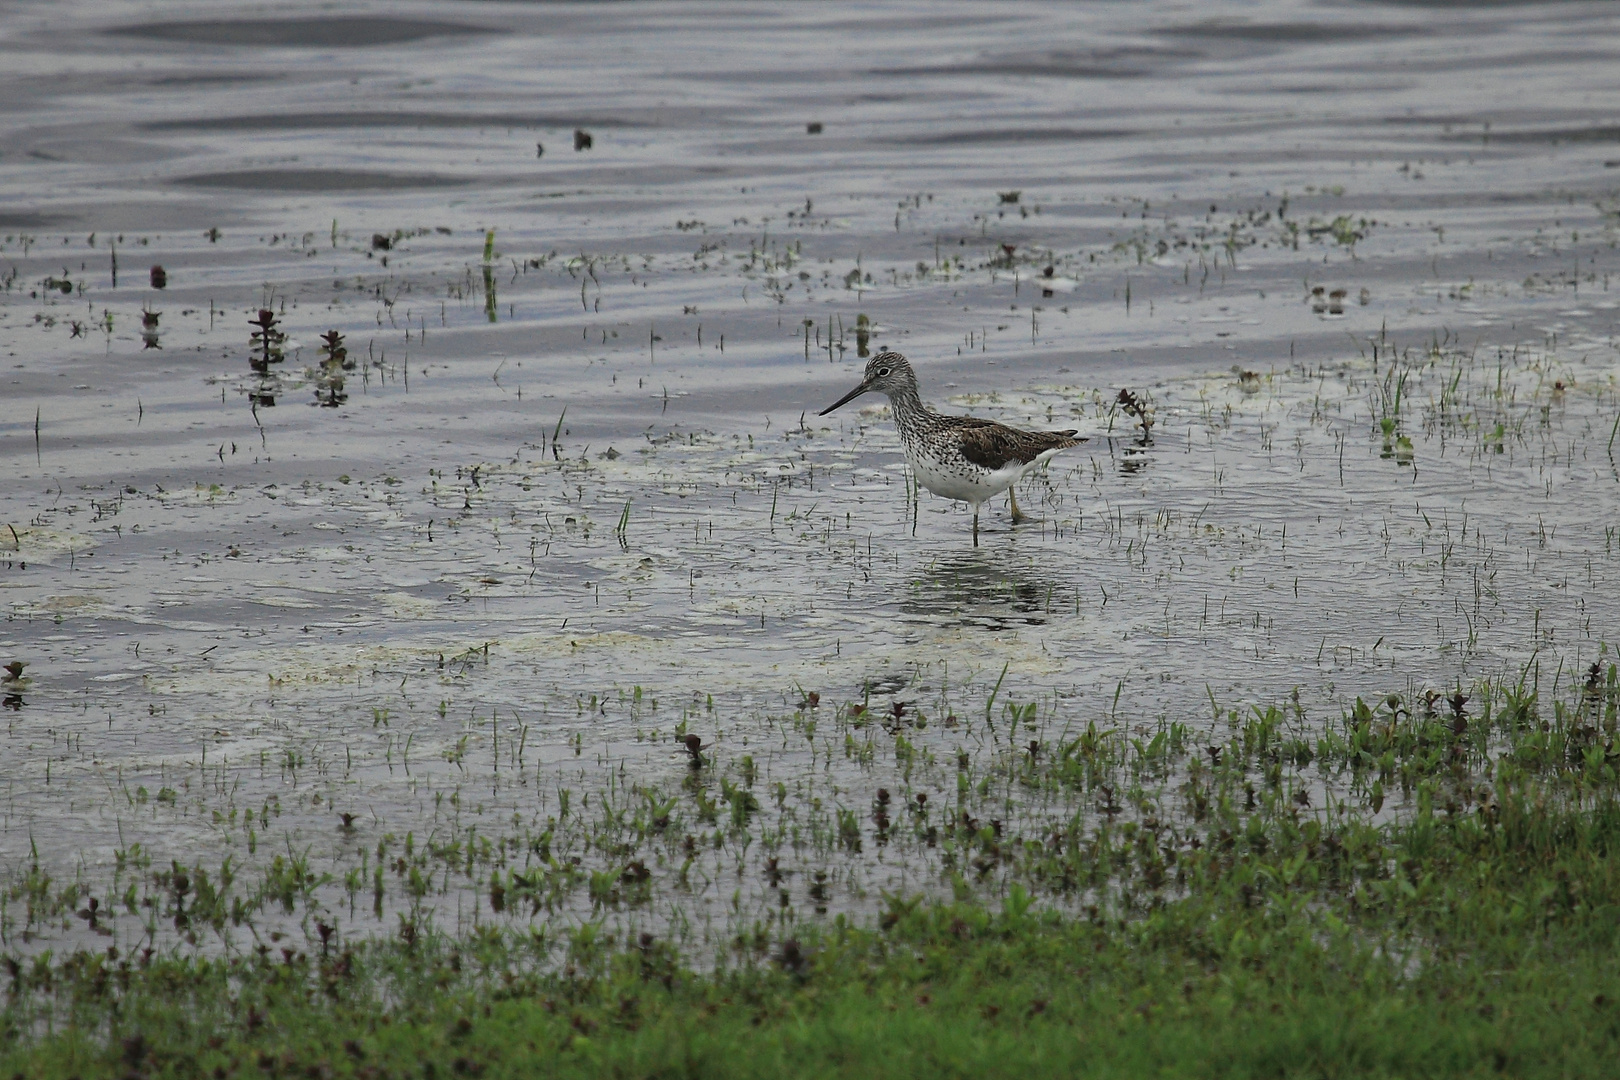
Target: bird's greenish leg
pixel 1017 514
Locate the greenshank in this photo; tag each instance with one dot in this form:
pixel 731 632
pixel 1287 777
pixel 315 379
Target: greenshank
pixel 960 457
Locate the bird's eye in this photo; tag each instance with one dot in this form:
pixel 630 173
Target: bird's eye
pixel 883 373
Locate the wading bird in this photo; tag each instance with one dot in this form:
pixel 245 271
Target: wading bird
pixel 959 457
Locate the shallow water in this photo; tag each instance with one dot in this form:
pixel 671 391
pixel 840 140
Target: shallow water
pixel 419 608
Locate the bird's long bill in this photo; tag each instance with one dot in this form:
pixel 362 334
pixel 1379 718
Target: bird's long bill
pixel 847 398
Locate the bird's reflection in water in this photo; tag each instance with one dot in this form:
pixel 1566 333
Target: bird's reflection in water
pixel 989 588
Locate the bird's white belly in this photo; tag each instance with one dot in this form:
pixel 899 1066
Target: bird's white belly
pixel 967 484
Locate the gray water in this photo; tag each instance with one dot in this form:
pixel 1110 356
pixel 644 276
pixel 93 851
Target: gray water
pixel 576 501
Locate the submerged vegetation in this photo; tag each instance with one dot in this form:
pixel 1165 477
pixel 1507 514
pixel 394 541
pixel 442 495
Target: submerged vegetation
pixel 1425 886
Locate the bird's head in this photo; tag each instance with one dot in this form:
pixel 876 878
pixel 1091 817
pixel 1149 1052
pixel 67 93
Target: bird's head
pixel 886 373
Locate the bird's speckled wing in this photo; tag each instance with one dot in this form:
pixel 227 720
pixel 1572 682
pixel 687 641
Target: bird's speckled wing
pixel 993 446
